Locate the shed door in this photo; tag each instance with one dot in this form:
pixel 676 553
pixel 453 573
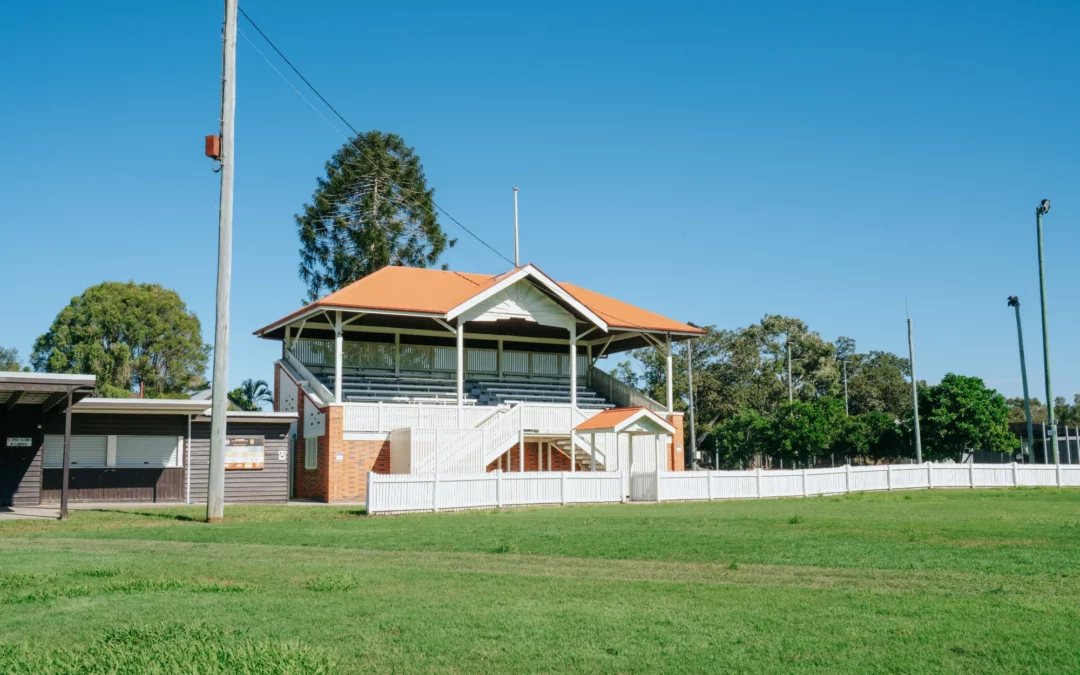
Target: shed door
pixel 86 451
pixel 148 452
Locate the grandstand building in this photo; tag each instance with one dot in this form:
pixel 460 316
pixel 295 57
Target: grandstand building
pixel 418 371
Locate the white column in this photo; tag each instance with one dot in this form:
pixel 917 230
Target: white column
pixel 573 364
pixel 573 452
pixel 521 450
pixel 592 453
pixel 397 353
pixel 499 359
pixel 461 373
pixel 337 357
pixel 670 383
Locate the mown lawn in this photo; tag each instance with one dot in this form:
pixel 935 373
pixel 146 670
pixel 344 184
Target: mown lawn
pixel 942 581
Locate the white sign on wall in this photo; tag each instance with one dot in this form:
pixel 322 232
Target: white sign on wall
pixel 19 442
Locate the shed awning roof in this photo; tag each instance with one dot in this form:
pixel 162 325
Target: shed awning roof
pixel 42 389
pixel 438 293
pixel 626 420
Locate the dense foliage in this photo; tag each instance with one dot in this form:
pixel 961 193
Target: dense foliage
pixel 744 417
pixel 9 359
pixel 133 337
pixel 372 209
pixel 251 395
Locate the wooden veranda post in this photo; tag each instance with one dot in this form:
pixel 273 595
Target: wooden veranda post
pixel 67 459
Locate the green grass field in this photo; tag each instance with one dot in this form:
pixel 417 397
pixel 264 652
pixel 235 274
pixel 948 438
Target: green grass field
pixel 942 581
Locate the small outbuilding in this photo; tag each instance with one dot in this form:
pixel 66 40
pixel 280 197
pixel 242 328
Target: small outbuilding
pixel 130 450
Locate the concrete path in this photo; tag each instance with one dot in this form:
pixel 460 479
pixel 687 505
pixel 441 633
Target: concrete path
pixel 23 512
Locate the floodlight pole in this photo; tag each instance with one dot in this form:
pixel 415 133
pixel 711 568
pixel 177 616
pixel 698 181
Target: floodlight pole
pixel 790 390
pixel 1044 208
pixel 517 262
pixel 1014 301
pixel 690 389
pixel 846 410
pixel 914 390
pixel 215 489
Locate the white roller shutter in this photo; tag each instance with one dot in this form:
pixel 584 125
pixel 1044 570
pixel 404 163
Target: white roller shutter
pixel 147 451
pixel 86 451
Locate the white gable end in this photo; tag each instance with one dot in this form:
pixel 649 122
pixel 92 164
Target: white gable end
pixel 521 300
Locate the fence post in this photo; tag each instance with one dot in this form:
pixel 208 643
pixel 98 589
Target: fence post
pixel 971 470
pixel 379 428
pixel 657 461
pixel 368 495
pixel 562 487
pixel 888 475
pixel 929 476
pixel 708 483
pixel 498 488
pixel 1014 474
pixel 847 478
pixel 435 493
pixel 1057 471
pixel 758 481
pixel 804 482
pixel 622 493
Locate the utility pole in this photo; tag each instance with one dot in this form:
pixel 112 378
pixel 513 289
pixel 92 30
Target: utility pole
pixel 690 389
pixel 846 410
pixel 1015 302
pixel 914 389
pixel 790 390
pixel 215 490
pixel 517 262
pixel 1042 209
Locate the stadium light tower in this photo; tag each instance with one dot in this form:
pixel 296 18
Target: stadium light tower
pixel 1041 210
pixel 1015 302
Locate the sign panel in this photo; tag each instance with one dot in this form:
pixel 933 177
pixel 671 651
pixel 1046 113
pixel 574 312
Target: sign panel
pixel 244 453
pixel 20 442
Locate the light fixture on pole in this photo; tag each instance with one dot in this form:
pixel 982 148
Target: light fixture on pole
pixel 1015 302
pixel 1041 210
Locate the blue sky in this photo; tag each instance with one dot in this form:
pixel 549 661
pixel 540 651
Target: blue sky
pixel 714 162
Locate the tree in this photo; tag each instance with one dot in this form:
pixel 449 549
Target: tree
pixel 251 395
pixel 133 337
pixel 373 209
pixel 742 438
pixel 803 431
pixel 878 382
pixel 9 359
pixel 961 414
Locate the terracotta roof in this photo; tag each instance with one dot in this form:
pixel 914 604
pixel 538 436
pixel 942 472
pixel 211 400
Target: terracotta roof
pixel 611 419
pixel 430 291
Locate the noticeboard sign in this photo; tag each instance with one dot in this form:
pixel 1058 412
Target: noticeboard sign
pixel 244 453
pixel 19 442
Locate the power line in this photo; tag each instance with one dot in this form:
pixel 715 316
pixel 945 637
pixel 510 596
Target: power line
pixel 345 121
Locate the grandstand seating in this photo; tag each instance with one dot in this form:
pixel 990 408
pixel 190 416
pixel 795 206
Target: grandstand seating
pixel 372 388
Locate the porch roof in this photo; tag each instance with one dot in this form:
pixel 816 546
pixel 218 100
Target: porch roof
pixel 441 294
pixel 47 390
pixel 638 420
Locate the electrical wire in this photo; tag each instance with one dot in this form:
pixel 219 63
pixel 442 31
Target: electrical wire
pixel 346 122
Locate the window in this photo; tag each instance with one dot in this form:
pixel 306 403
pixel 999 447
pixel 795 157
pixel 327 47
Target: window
pixel 148 452
pixel 311 452
pixel 86 451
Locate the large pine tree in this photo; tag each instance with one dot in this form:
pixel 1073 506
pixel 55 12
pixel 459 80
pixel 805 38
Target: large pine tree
pixel 372 209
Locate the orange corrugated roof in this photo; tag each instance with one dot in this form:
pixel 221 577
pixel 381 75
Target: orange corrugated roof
pixel 624 315
pixel 612 418
pixel 429 291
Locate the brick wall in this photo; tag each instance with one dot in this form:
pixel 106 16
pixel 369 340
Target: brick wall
pixel 348 475
pixel 676 454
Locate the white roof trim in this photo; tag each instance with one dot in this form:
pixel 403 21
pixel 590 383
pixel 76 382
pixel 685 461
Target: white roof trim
pixel 185 406
pixel 541 278
pixel 319 309
pixel 645 412
pixel 49 378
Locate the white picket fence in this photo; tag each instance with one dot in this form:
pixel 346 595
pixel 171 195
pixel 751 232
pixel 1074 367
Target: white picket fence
pixel 758 484
pixel 401 493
